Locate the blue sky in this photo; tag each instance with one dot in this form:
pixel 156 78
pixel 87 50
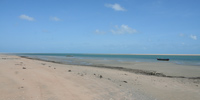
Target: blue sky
pixel 100 26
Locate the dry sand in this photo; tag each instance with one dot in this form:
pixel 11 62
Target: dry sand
pixel 26 79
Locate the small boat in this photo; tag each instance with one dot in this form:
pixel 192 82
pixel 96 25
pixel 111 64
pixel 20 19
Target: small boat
pixel 160 59
pixel 69 55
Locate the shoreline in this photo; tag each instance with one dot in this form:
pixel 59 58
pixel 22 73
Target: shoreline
pixel 31 79
pixel 137 71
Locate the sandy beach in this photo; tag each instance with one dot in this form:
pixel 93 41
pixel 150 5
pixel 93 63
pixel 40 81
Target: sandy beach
pixel 29 79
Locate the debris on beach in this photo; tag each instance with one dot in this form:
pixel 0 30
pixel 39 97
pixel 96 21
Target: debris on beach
pixel 101 76
pixel 125 81
pixel 20 87
pixel 80 74
pixel 69 70
pixel 23 67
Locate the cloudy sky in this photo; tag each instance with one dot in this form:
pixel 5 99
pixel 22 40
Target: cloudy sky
pixel 100 26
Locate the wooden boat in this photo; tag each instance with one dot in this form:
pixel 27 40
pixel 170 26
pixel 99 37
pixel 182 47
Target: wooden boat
pixel 69 55
pixel 160 59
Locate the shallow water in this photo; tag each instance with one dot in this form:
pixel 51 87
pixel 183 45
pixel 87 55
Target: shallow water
pixel 84 59
pixel 187 66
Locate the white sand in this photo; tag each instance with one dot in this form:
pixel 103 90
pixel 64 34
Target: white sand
pixel 41 80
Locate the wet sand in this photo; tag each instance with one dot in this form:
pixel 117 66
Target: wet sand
pixel 161 68
pixel 30 79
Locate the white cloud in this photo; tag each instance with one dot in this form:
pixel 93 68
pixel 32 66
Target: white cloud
pixel 99 32
pixel 123 29
pixel 115 6
pixel 25 17
pixel 54 18
pixel 194 37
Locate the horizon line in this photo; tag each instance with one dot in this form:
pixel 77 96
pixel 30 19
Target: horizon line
pixel 103 53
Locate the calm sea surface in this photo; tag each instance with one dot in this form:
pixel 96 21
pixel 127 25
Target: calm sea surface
pixel 92 59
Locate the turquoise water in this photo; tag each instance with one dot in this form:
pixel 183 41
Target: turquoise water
pixel 72 58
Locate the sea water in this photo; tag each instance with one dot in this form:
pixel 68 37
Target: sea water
pixel 109 59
